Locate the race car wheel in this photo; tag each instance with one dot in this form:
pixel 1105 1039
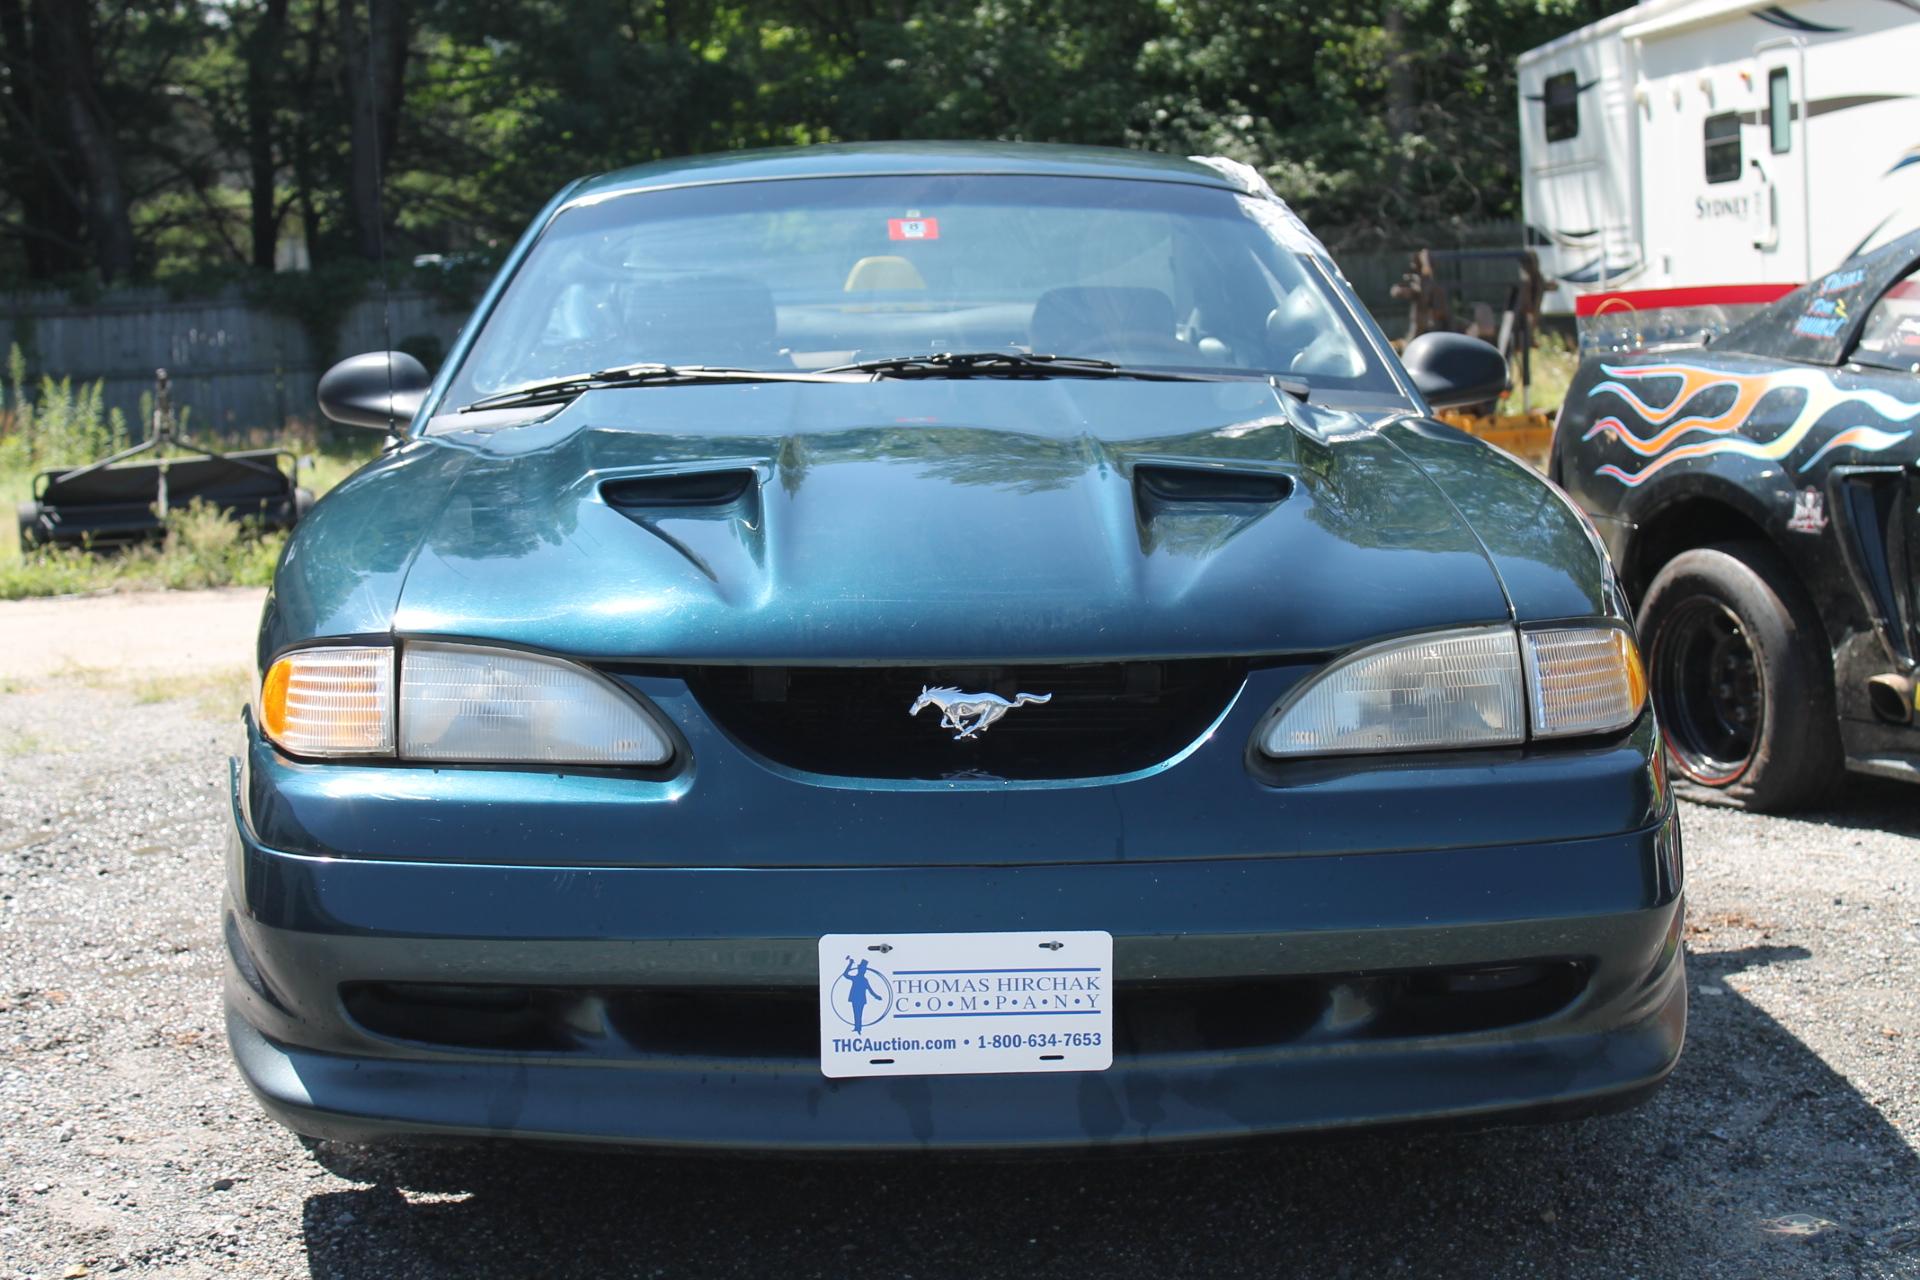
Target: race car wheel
pixel 1742 679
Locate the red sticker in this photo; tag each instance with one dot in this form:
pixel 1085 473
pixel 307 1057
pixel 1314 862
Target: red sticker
pixel 913 228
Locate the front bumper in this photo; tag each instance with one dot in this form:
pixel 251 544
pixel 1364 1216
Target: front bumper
pixel 302 929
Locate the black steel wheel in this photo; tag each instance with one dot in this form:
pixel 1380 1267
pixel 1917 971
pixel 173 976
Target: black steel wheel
pixel 1708 692
pixel 1742 678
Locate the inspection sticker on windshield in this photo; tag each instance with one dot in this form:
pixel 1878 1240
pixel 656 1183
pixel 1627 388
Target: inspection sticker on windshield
pixel 920 1004
pixel 913 228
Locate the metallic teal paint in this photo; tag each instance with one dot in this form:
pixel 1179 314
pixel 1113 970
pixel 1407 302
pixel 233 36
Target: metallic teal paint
pixel 341 575
pixel 727 807
pixel 921 521
pixel 1551 562
pixel 924 521
pixel 911 522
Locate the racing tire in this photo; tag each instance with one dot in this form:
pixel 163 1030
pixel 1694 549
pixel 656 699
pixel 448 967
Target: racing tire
pixel 28 514
pixel 1742 680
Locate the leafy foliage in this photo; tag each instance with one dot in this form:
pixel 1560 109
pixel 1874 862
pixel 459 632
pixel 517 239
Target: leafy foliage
pixel 55 423
pixel 258 132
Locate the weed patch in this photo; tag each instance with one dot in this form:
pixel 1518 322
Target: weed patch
pixel 29 744
pixel 202 548
pixel 1554 362
pixel 215 694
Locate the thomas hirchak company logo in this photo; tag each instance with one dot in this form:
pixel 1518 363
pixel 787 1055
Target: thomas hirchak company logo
pixel 862 995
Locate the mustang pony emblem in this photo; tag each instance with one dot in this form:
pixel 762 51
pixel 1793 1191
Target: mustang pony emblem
pixel 970 713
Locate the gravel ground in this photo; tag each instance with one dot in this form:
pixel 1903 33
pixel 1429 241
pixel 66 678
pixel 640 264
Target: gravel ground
pixel 1783 1146
pixel 144 632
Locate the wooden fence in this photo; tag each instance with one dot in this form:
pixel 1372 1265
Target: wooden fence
pixel 1373 270
pixel 237 367
pixel 240 368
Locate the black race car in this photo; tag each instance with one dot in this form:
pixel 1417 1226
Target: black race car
pixel 1758 491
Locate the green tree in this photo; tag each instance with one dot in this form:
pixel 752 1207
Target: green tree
pixel 166 136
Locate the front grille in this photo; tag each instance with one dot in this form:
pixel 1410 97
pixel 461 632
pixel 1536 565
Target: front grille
pixel 1099 718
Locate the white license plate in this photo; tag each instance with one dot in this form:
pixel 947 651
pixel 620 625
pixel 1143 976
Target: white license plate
pixel 918 1004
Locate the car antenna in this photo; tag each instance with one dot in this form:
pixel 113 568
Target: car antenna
pixel 380 215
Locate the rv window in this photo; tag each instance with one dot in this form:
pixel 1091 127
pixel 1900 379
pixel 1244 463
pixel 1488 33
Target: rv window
pixel 1561 97
pixel 1723 147
pixel 1779 111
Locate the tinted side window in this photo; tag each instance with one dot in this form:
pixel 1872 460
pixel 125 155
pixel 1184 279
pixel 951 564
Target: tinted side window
pixel 1723 147
pixel 1779 112
pixel 1561 96
pixel 1890 338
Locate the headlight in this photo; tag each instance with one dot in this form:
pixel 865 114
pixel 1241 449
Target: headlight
pixel 457 704
pixel 463 704
pixel 1474 687
pixel 1445 689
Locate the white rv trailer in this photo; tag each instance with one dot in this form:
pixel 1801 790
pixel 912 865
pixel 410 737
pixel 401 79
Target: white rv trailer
pixel 1711 147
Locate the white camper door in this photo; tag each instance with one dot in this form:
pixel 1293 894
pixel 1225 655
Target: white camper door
pixel 1779 163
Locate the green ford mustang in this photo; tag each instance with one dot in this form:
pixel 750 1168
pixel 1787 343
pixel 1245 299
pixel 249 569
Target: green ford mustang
pixel 939 646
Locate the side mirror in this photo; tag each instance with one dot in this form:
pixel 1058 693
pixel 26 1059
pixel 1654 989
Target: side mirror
pixel 381 389
pixel 1452 369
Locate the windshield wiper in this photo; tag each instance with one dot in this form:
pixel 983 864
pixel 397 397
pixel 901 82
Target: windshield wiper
pixel 1011 364
pixel 946 364
pixel 567 386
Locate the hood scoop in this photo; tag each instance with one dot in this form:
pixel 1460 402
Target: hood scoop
pixel 1162 486
pixel 1191 507
pixel 678 490
pixel 711 516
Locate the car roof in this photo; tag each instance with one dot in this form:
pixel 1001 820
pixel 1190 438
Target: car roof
pixel 875 159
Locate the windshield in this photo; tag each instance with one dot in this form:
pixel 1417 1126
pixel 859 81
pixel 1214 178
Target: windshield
pixel 810 274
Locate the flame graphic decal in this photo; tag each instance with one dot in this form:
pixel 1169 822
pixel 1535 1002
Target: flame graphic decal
pixel 1670 421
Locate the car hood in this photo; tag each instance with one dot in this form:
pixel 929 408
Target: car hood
pixel 937 520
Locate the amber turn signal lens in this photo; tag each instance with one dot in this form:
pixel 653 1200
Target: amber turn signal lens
pixel 1636 673
pixel 273 700
pixel 1583 680
pixel 330 702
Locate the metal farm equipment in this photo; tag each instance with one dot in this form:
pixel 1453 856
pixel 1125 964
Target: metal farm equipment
pixel 116 502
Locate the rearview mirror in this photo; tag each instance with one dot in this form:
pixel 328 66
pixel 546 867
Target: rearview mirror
pixel 1452 369
pixel 381 389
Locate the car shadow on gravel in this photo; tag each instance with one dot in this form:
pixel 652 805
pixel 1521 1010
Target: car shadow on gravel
pixel 1861 804
pixel 1756 1158
pixel 1869 804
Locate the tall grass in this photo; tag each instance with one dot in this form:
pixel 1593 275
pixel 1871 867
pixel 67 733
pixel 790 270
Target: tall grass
pixel 1555 361
pixel 200 548
pixel 55 423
